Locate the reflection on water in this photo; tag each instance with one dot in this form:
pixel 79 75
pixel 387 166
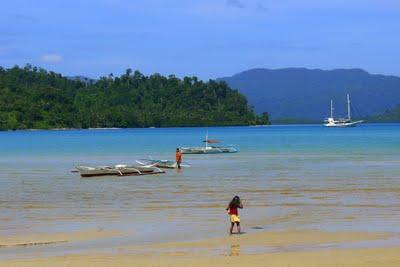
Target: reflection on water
pixel 288 177
pixel 234 250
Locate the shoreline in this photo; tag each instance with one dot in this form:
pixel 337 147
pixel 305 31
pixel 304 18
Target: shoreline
pixel 126 128
pixel 199 126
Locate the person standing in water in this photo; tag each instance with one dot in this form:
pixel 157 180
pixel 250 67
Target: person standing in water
pixel 232 209
pixel 178 157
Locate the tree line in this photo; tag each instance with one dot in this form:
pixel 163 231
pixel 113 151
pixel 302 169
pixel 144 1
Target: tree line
pixel 390 115
pixel 33 98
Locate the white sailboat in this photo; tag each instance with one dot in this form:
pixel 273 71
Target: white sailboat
pixel 341 122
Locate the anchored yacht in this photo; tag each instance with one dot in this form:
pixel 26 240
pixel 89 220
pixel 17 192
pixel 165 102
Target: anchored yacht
pixel 341 122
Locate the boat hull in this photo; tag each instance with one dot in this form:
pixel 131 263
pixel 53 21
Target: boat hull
pixel 207 150
pixel 163 164
pixel 86 171
pixel 343 125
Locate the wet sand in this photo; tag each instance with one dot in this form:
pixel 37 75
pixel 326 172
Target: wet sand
pixel 353 258
pixel 289 248
pixel 54 238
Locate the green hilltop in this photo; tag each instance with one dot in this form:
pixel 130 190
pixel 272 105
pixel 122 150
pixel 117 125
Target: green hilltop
pixel 33 98
pixel 392 115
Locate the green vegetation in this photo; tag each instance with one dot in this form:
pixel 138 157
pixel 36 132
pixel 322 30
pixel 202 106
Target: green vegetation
pixel 388 116
pixel 32 97
pixel 295 121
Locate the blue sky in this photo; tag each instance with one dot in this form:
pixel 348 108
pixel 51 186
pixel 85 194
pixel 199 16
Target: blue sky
pixel 208 38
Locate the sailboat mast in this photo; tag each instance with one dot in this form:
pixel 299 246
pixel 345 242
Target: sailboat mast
pixel 331 108
pixel 348 107
pixel 207 139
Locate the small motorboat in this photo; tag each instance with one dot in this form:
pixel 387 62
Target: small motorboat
pixel 162 163
pixel 119 170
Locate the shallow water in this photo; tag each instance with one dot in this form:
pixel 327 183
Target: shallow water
pixel 289 177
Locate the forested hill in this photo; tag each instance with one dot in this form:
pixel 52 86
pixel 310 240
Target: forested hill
pixel 306 93
pixel 392 115
pixel 31 97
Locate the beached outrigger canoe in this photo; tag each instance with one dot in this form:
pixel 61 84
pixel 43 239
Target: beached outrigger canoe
pixel 162 163
pixel 120 170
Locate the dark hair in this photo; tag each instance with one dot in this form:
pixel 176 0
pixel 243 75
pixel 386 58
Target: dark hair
pixel 177 149
pixel 235 202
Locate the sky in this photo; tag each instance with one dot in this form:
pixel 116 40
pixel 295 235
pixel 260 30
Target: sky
pixel 204 38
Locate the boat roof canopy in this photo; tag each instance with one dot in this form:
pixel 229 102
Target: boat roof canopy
pixel 211 141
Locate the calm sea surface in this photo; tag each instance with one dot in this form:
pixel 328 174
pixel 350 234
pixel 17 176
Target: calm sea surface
pixel 290 177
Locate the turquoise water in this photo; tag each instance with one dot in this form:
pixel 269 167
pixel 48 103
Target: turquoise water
pixel 290 177
pixel 379 138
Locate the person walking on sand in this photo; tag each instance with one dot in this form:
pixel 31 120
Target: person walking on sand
pixel 178 158
pixel 232 209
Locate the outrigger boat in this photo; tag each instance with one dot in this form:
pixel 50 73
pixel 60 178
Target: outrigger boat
pixel 120 170
pixel 208 149
pixel 162 163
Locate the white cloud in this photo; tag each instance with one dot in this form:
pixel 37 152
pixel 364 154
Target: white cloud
pixel 51 58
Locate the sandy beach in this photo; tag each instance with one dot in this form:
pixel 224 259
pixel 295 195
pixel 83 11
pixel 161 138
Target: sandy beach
pixel 289 248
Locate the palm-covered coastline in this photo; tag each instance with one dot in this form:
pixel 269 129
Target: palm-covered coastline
pixel 32 97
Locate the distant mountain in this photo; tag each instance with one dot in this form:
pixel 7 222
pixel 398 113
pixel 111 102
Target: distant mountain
pixel 306 93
